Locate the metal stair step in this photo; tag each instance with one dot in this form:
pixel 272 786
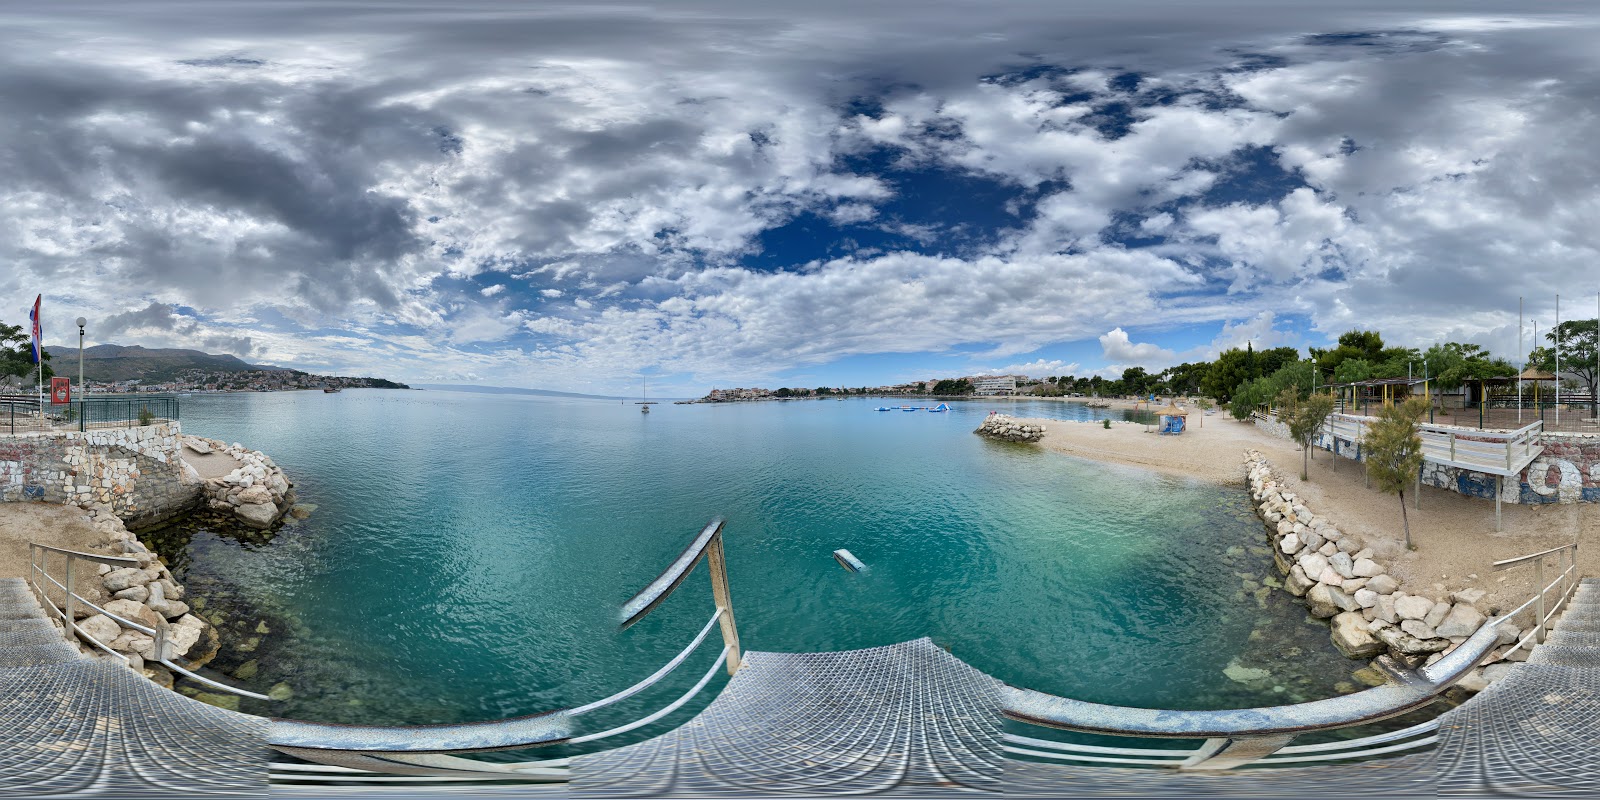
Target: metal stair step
pixel 25 625
pixel 1565 655
pixel 37 655
pixel 43 635
pixel 1568 637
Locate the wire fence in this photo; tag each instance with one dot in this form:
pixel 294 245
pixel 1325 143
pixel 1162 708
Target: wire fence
pixel 29 415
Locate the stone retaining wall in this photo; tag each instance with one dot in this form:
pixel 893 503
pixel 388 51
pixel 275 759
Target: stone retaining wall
pixel 137 472
pixel 257 492
pixel 1345 582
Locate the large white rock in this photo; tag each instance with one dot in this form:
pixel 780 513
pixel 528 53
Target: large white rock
pixel 1463 620
pixel 258 515
pixel 1366 598
pixel 125 578
pixel 1418 628
pixel 1351 636
pixel 1413 607
pixel 1289 544
pixel 1384 610
pixel 1437 614
pixel 1383 584
pixel 101 628
pixel 1313 564
pixel 1366 568
pixel 1343 564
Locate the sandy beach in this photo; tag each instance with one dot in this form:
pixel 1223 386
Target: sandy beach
pixel 1454 535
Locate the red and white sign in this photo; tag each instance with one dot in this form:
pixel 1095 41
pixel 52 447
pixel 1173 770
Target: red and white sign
pixel 60 390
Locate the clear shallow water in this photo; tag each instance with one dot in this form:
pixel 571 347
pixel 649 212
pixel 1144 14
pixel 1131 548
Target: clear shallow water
pixel 469 553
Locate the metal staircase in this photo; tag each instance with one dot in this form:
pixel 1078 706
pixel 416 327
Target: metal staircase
pixel 907 720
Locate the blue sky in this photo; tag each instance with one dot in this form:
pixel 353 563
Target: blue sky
pixel 716 194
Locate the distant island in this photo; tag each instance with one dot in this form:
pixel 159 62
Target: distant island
pixel 119 368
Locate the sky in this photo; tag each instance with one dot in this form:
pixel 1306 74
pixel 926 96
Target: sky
pixel 719 194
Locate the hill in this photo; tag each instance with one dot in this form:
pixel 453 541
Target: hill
pixel 459 387
pixel 112 363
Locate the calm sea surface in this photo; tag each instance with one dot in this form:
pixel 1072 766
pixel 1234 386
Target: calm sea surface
pixel 468 554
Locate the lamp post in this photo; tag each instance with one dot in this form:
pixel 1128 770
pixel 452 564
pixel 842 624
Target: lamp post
pixel 81 322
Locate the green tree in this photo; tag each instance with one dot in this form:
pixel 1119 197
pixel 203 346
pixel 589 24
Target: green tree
pixel 1367 345
pixel 1306 422
pixel 1135 380
pixel 952 386
pixel 1352 370
pixel 1232 369
pixel 1393 450
pixel 16 352
pixel 1270 361
pixel 1577 339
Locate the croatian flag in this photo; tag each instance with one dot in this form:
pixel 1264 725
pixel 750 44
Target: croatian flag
pixel 38 332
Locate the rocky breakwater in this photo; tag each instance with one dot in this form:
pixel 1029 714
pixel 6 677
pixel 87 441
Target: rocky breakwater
pixel 256 491
pixel 1001 426
pixel 147 595
pixel 1344 581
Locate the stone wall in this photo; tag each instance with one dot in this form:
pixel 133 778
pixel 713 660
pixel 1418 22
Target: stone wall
pixel 1343 580
pixel 257 492
pixel 1273 427
pixel 137 472
pixel 1004 426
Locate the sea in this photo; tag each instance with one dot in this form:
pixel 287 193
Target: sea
pixel 466 556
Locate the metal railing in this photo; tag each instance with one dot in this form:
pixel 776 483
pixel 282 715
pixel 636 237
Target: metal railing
pixel 426 753
pixel 1491 452
pixel 25 415
pixel 1543 611
pixel 38 563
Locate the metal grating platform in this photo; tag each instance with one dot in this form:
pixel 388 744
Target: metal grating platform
pixel 908 719
pixel 71 726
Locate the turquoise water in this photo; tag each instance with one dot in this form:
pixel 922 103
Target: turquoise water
pixel 469 553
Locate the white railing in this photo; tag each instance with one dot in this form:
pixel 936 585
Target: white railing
pixel 1492 452
pixel 1543 610
pixel 38 561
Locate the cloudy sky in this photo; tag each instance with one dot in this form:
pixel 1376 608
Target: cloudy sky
pixel 722 193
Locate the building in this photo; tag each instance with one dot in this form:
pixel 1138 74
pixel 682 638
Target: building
pixel 997 385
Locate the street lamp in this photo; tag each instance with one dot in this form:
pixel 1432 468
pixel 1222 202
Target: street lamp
pixel 81 322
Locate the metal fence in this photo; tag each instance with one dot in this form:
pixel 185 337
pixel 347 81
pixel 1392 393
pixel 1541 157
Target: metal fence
pixel 28 415
pixel 1576 416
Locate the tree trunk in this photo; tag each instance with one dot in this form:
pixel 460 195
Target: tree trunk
pixel 1405 520
pixel 1305 463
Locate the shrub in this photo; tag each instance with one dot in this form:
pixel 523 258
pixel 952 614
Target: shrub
pixel 145 417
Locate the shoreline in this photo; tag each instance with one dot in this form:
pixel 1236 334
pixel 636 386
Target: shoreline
pixel 1454 537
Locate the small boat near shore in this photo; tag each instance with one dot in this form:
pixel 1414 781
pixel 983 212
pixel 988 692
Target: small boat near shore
pixel 331 390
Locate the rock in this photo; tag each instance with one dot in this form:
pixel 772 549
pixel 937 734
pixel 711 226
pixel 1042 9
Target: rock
pixel 125 578
pixel 1313 564
pixel 1353 585
pixel 1366 568
pixel 227 701
pixel 261 628
pixel 1351 544
pixel 1405 644
pixel 255 495
pixel 1326 601
pixel 1366 598
pixel 1385 610
pixel 302 510
pixel 1418 628
pixel 280 691
pixel 1328 549
pixel 1506 633
pixel 258 515
pixel 1239 673
pixel 1383 584
pixel 197 445
pixel 1469 596
pixel 137 594
pixel 247 670
pixel 1463 620
pixel 136 643
pixel 1473 681
pixel 1413 607
pixel 1289 544
pixel 1437 614
pixel 134 612
pixel 1351 636
pixel 1371 676
pixel 101 628
pixel 1313 540
pixel 1342 564
pixel 1297 583
pixel 183 635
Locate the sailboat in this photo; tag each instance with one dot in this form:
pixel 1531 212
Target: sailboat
pixel 645 404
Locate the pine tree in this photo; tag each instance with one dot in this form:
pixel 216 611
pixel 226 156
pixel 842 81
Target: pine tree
pixel 1305 423
pixel 1393 449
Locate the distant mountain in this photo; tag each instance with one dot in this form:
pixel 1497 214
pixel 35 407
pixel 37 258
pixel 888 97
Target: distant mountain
pixel 453 387
pixel 108 363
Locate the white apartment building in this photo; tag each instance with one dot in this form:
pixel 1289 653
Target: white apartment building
pixel 1003 384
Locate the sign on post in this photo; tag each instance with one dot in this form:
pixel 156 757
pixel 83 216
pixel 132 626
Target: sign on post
pixel 60 390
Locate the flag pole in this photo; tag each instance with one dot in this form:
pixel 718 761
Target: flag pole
pixel 1558 359
pixel 1522 360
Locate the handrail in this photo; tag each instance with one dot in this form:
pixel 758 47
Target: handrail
pixel 1267 729
pixel 424 749
pixel 1541 617
pixel 663 586
pixel 68 615
pixel 1511 562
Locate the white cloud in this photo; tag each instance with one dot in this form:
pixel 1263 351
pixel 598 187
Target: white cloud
pixel 1119 349
pixel 1038 368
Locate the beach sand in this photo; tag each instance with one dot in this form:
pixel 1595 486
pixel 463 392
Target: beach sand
pixel 67 527
pixel 1454 535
